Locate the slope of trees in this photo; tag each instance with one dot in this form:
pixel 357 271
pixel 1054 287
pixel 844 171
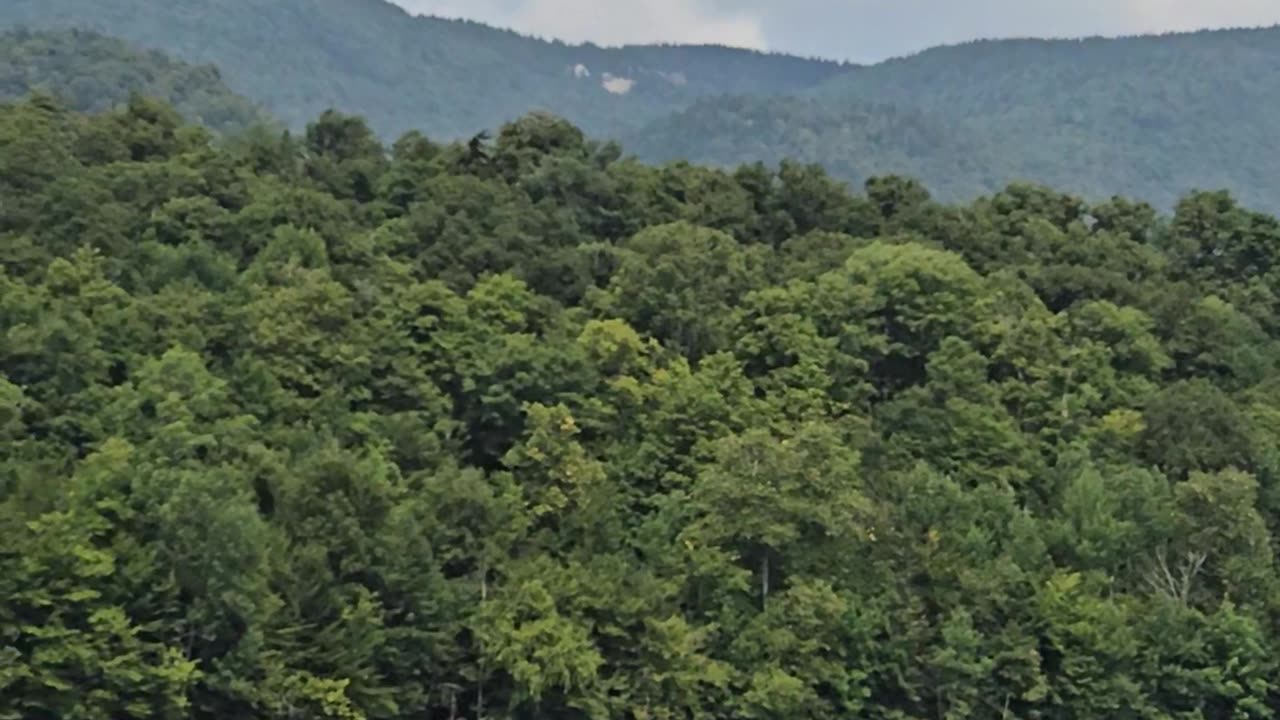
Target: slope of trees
pixel 1149 117
pixel 1146 117
pixel 448 78
pixel 313 427
pixel 853 140
pixel 91 73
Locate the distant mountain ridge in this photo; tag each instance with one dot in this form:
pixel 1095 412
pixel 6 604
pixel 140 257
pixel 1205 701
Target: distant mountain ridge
pixel 1153 117
pixel 854 140
pixel 448 78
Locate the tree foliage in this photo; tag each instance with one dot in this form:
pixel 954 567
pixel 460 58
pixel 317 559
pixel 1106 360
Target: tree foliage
pixel 311 427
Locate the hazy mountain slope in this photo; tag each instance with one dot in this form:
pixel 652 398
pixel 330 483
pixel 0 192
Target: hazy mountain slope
pixel 1152 117
pixel 90 73
pixel 448 78
pixel 853 140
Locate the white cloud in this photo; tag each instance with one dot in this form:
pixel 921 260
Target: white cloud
pixel 617 85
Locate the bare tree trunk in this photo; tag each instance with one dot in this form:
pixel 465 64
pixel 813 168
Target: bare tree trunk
pixel 1177 585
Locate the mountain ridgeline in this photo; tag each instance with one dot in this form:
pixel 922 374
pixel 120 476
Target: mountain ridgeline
pixel 1152 117
pixel 449 79
pixel 1147 117
pixel 305 426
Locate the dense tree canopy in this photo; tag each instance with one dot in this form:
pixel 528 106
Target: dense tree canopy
pixel 312 427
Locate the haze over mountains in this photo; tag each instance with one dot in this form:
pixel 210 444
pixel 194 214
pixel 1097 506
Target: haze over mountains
pixel 1151 117
pixel 446 78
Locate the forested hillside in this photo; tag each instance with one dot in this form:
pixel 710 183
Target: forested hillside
pixel 851 139
pixel 514 429
pixel 447 78
pixel 1146 117
pixel 1149 117
pixel 92 73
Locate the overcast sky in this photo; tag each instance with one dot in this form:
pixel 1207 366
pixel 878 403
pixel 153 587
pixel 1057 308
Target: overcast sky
pixel 860 30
